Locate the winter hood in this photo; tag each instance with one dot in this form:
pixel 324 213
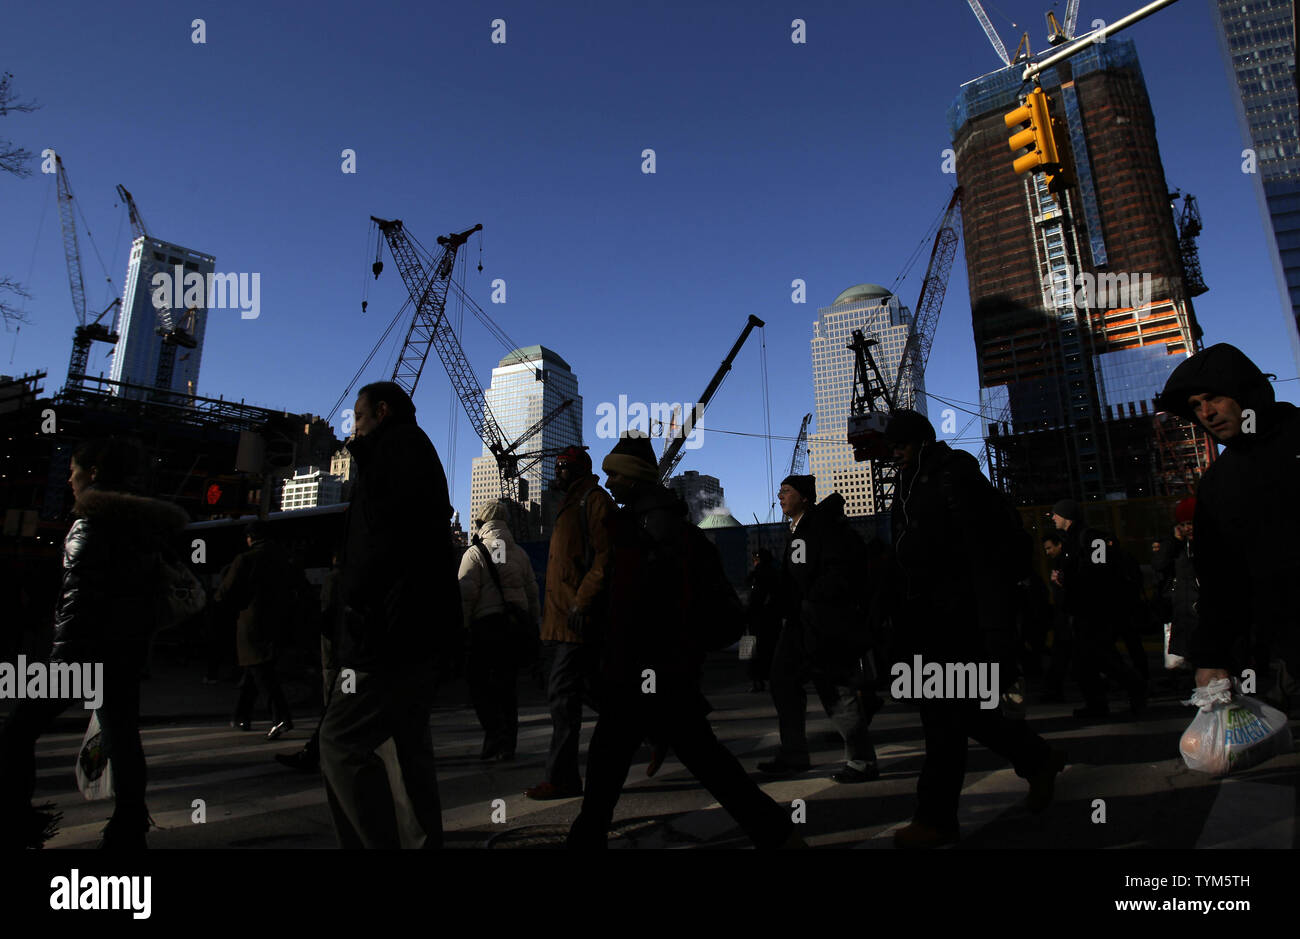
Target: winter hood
pixel 129 513
pixel 1222 369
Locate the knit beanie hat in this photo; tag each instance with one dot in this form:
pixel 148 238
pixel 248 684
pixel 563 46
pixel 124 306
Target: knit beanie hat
pixel 633 457
pixel 1068 509
pixel 907 426
pixel 806 486
pixel 1185 510
pixel 577 458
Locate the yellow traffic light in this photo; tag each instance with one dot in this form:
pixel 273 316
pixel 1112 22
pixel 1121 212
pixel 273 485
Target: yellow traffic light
pixel 1035 136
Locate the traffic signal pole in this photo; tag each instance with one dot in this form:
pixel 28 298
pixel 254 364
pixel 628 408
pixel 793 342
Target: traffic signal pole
pixel 1099 35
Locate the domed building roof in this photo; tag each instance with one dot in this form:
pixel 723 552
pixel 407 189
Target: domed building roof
pixel 723 520
pixel 862 292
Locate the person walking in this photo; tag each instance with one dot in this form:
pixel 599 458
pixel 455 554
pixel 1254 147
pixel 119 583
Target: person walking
pixel 824 603
pixel 402 620
pixel 573 615
pixel 653 652
pixel 307 760
pixel 764 583
pixel 958 549
pixel 1058 666
pixel 107 610
pixel 498 593
pixel 1098 604
pixel 1247 558
pixel 1175 570
pixel 261 585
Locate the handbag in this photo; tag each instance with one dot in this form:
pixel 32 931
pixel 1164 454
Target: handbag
pixel 524 637
pixel 181 595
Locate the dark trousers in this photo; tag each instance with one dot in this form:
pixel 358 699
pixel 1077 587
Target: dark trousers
pixel 396 702
pixel 265 679
pixel 570 686
pixel 766 632
pixel 493 676
pixel 838 690
pixel 1096 658
pixel 119 717
pixel 1058 666
pixel 947 725
pixel 680 720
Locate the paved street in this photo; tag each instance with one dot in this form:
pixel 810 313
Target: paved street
pixel 1150 798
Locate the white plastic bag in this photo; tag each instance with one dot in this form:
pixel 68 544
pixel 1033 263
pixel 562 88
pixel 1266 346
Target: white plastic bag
pixel 1171 661
pixel 94 772
pixel 1231 732
pixel 746 646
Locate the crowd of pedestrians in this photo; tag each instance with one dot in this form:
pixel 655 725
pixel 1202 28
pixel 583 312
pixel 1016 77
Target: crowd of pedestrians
pixel 956 582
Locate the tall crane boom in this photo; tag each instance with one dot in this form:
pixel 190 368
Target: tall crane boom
pixel 428 287
pixel 673 455
pixel 86 333
pixel 71 249
pixel 429 326
pixel 800 448
pixel 916 353
pixel 989 31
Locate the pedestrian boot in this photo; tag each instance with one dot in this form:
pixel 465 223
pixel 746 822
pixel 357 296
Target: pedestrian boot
pixel 545 791
pixel 919 835
pixel 279 730
pixel 780 767
pixel 849 775
pixel 305 760
pixel 1042 785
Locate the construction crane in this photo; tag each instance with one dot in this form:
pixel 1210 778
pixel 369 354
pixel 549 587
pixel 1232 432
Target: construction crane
pixel 867 418
pixel 800 454
pixel 1189 227
pixel 1058 34
pixel 1022 51
pixel 428 284
pixel 86 333
pixel 173 334
pixel 673 454
pixel 934 287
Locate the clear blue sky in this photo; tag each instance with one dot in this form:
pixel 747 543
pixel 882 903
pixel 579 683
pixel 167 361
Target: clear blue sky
pixel 775 161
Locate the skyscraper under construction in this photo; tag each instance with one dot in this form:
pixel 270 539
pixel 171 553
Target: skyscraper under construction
pixel 1080 300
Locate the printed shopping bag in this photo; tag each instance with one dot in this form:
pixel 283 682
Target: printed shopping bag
pixel 1231 732
pixel 94 773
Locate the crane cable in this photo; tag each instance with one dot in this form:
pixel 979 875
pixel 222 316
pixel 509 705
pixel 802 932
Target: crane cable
pixel 767 412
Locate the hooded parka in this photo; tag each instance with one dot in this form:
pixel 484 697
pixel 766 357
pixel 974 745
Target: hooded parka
pixel 478 592
pixel 112 577
pixel 1247 556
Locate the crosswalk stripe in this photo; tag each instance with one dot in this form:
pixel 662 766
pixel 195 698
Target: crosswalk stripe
pixel 1250 815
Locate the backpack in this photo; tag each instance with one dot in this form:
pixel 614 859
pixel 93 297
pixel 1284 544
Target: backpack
pixel 522 631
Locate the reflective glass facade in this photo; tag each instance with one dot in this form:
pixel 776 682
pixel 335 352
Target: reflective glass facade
pixel 526 385
pixel 1257 40
pixel 135 358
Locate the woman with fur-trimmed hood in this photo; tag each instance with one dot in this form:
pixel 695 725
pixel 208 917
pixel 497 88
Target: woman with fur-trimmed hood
pixel 106 613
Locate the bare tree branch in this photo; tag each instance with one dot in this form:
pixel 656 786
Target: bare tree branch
pixel 10 314
pixel 13 158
